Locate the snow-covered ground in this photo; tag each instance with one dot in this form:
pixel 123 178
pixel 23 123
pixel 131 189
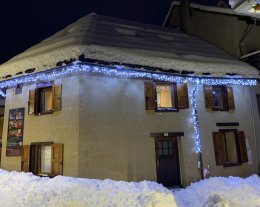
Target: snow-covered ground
pixel 27 190
pixel 221 192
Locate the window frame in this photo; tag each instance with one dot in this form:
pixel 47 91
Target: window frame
pixel 179 96
pixel 31 162
pixel 238 154
pixel 174 97
pixel 240 144
pixel 38 96
pixel 227 95
pixel 224 97
pixel 34 101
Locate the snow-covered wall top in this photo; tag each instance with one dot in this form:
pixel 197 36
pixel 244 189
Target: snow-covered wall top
pixel 121 41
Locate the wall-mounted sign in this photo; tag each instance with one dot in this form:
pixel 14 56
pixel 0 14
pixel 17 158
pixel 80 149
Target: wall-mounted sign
pixel 15 132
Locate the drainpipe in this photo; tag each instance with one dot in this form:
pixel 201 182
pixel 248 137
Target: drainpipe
pixel 242 49
pixel 185 15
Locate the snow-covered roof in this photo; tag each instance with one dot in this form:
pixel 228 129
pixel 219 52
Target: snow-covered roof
pixel 223 10
pixel 125 42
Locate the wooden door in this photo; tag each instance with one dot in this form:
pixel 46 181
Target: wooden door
pixel 167 161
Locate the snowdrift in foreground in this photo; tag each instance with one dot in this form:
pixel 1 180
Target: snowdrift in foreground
pixel 221 192
pixel 27 190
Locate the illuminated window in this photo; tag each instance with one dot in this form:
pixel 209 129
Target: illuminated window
pixel 166 96
pixel 45 159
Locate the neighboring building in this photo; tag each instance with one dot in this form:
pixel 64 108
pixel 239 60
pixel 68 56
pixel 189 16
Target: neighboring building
pixel 109 98
pixel 235 31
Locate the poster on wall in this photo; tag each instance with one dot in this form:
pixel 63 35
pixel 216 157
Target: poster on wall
pixel 15 132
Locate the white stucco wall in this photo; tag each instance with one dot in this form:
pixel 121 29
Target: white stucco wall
pixel 115 132
pixel 59 127
pixel 243 115
pixel 253 92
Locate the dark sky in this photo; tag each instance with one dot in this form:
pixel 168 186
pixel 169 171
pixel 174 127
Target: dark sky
pixel 24 23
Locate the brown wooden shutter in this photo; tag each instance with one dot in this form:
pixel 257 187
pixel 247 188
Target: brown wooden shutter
pixel 56 159
pixel 56 93
pixel 208 96
pixel 31 102
pixel 25 161
pixel 219 148
pixel 182 94
pixel 231 101
pixel 37 101
pixel 150 96
pixel 242 146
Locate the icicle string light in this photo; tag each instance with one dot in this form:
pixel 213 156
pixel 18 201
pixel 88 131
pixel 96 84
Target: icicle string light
pixel 195 119
pixel 119 71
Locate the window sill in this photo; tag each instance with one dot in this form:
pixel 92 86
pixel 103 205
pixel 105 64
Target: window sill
pixel 45 113
pixel 231 164
pixel 166 110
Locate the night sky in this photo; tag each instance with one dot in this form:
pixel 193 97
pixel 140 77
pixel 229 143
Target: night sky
pixel 26 23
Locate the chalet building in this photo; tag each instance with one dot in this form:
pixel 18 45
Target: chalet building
pixel 110 98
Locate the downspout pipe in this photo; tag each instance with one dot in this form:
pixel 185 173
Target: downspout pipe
pixel 244 37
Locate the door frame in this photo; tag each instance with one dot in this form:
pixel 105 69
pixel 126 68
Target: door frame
pixel 157 138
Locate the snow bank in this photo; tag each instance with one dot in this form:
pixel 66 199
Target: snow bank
pixel 221 192
pixel 25 189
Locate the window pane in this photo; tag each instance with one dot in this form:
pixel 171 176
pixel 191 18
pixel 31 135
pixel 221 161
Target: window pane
pixel 159 144
pixel 164 96
pixel 231 150
pixel 165 151
pixel 170 144
pixel 45 159
pixel 46 99
pixel 160 151
pixel 165 144
pixel 217 98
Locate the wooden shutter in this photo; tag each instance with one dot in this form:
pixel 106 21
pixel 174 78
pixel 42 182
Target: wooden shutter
pixel 56 94
pixel 37 102
pixel 208 96
pixel 219 148
pixel 231 101
pixel 56 159
pixel 31 102
pixel 150 96
pixel 182 95
pixel 242 146
pixel 25 161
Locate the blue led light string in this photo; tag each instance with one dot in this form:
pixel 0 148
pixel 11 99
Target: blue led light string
pixel 110 71
pixel 195 118
pixel 119 71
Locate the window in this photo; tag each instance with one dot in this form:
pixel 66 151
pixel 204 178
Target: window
pixel 19 89
pixel 230 147
pixel 258 103
pixel 45 99
pixel 219 98
pixel 166 96
pixel 45 159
